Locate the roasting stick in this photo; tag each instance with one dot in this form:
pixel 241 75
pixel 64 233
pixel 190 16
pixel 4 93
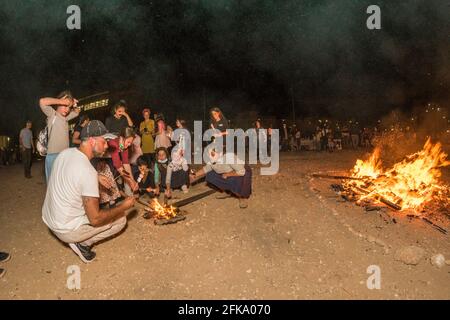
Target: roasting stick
pixel 327 176
pixel 435 226
pixel 104 175
pixel 340 177
pixel 184 202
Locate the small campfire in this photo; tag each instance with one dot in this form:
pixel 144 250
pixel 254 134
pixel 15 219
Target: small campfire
pixel 412 186
pixel 168 214
pixel 163 214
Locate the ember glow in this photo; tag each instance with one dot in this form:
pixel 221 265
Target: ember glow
pixel 163 212
pixel 410 184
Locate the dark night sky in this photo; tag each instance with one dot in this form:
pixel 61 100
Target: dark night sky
pixel 242 54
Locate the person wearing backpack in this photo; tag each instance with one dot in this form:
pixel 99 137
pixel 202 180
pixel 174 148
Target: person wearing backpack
pixel 58 125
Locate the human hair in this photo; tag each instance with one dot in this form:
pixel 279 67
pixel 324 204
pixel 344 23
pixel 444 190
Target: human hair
pixel 141 161
pixel 182 122
pixel 215 109
pixel 162 149
pixel 127 132
pixel 119 104
pixel 159 116
pixel 146 110
pixel 66 94
pixel 161 124
pixel 83 118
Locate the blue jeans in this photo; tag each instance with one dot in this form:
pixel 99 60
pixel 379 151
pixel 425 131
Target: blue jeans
pixel 49 159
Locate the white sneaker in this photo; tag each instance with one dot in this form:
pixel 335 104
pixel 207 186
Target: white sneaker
pixel 85 253
pixel 185 189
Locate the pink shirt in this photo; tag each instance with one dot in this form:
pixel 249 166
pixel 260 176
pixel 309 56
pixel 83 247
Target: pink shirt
pixel 119 157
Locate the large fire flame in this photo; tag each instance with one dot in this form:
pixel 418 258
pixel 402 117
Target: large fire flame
pixel 410 184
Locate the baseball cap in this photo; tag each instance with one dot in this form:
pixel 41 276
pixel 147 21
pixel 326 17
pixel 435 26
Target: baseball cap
pixel 96 128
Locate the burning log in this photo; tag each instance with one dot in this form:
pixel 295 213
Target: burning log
pixel 373 208
pixel 381 199
pixel 177 218
pixel 409 184
pixel 168 214
pixel 412 184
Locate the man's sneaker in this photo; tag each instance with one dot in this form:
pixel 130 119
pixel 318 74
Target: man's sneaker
pixel 184 188
pixel 223 195
pixel 84 252
pixel 2 272
pixel 243 203
pixel 4 256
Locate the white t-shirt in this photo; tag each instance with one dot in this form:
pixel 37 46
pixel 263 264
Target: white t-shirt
pixel 72 177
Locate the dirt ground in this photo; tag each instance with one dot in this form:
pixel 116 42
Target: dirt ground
pixel 296 240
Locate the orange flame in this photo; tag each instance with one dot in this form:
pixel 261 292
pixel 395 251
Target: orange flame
pixel 163 212
pixel 370 168
pixel 411 183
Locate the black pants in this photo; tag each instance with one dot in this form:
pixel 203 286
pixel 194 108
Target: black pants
pixel 26 160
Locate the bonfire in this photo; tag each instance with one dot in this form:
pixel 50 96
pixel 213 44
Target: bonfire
pixel 412 184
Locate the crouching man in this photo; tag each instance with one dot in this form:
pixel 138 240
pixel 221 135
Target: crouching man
pixel 71 206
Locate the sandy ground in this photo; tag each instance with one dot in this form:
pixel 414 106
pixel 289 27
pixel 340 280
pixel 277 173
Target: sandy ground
pixel 295 241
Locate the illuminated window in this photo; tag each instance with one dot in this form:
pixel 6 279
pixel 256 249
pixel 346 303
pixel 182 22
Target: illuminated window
pixel 95 104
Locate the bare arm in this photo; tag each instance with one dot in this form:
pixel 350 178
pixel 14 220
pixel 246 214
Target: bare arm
pixel 73 114
pixel 132 183
pixel 168 180
pixel 198 175
pixel 98 218
pixel 53 101
pixel 231 174
pixel 46 103
pixel 130 122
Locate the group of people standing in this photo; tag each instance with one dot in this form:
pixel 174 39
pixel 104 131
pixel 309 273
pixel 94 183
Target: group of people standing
pixel 328 139
pixel 91 185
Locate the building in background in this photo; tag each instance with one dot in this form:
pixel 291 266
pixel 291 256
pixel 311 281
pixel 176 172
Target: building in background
pixel 98 105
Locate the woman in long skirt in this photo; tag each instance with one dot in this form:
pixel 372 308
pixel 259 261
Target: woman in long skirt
pixel 232 177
